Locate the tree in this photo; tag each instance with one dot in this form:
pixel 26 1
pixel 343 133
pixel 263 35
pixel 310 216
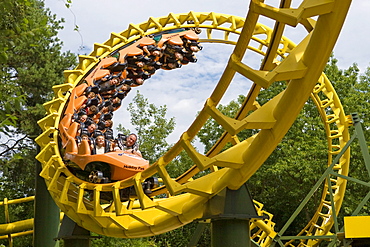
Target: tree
pixel 300 159
pixel 151 126
pixel 119 242
pixel 31 62
pixel 354 91
pixel 211 130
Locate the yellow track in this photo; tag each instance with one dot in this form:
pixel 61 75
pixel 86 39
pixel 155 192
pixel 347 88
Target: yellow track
pixel 10 230
pixel 301 66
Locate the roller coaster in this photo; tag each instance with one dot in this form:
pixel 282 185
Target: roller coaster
pixel 128 58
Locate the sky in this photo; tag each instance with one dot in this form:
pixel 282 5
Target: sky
pixel 185 90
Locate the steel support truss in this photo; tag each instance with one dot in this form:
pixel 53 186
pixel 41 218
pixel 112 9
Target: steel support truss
pixel 336 238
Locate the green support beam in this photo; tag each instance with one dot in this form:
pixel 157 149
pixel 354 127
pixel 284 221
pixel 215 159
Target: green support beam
pixel 362 141
pixel 230 212
pixel 314 188
pixel 47 215
pixel 197 234
pixel 73 235
pixel 359 135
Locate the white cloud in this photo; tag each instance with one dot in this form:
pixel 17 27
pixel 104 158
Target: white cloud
pixel 97 19
pixel 185 90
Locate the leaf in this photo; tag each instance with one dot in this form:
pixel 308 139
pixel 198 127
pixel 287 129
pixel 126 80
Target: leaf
pixel 3 57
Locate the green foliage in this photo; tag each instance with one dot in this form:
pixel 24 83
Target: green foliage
pixel 7 120
pixel 35 63
pixel 300 159
pixel 354 91
pixel 177 238
pixel 181 237
pixel 151 126
pixel 179 165
pixel 33 58
pixel 119 242
pixel 68 4
pixel 211 130
pixel 31 62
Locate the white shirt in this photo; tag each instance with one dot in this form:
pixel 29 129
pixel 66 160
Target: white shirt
pixel 100 150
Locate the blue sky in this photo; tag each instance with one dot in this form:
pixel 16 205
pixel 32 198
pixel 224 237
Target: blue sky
pixel 184 91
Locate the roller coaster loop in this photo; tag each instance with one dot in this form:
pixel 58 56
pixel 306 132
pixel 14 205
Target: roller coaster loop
pixel 299 65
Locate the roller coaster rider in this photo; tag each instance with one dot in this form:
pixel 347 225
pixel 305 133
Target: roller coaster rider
pixel 129 143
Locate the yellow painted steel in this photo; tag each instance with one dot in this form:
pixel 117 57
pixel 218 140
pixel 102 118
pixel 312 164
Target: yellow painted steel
pixel 19 234
pixel 10 230
pixel 357 226
pixel 16 201
pixel 300 65
pixel 20 228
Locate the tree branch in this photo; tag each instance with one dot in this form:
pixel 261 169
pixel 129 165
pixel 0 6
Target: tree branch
pixel 13 146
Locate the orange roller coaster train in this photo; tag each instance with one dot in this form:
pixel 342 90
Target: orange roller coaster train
pixel 102 182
